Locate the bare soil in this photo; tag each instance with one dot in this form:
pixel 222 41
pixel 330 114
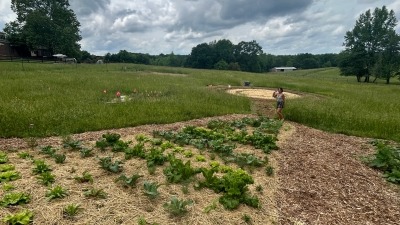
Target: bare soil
pixel 319 179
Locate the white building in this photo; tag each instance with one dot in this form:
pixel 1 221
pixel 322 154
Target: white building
pixel 283 69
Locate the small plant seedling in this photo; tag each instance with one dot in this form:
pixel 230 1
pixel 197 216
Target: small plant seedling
pixel 25 155
pixel 107 164
pixel 3 157
pixel 177 207
pixel 85 178
pixel 72 144
pixel 85 152
pixel 40 167
pixel 200 158
pixel 71 210
pixel 48 150
pixel 16 198
pixel 95 193
pixel 128 181
pixel 269 170
pixel 59 158
pixel 247 219
pixel 46 178
pixel 150 189
pixel 56 192
pixel 20 218
pixel 213 206
pixel 259 188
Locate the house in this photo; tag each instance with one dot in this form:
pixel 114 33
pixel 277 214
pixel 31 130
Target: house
pixel 6 50
pixel 283 69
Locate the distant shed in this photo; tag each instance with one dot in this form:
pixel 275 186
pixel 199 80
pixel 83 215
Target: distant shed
pixel 283 69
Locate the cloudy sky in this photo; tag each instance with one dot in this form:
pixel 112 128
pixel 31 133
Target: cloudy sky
pixel 165 26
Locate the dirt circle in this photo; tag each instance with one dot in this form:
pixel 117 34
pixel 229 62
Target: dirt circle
pixel 259 93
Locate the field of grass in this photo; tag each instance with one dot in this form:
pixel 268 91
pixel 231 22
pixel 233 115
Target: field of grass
pixel 58 99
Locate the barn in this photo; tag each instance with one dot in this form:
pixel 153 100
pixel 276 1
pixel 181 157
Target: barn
pixel 283 69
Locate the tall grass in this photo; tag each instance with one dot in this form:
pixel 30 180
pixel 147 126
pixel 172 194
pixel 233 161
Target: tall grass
pixel 59 99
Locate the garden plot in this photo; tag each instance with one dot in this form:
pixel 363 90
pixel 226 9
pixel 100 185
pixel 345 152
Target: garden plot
pixel 219 172
pixel 259 93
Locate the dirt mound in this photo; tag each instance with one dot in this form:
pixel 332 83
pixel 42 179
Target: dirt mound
pixel 259 93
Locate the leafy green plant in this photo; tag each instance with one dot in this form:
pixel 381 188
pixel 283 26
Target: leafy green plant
pixel 48 150
pixel 177 171
pixel 72 144
pixel 188 153
pixel 107 164
pixel 269 170
pixel 141 138
pixel 3 157
pixel 95 193
pixel 25 155
pixel 85 152
pixel 247 160
pixel 21 218
pixel 200 158
pixel 9 176
pixel 59 158
pixel 86 177
pixel 71 210
pixel 142 221
pixel 151 189
pixel 46 178
pixel 137 150
pixel 210 207
pixel 128 181
pixel 155 157
pixel 259 188
pixel 177 207
pixel 386 159
pixel 40 167
pixel 16 198
pixel 56 192
pixel 8 187
pixel 247 219
pixel 6 167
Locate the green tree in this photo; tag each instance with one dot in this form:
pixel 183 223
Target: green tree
pixel 372 48
pixel 247 55
pixel 45 24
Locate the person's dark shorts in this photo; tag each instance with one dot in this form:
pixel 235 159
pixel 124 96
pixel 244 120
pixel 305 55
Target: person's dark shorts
pixel 280 104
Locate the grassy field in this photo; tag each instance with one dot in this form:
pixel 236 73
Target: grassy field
pixel 59 99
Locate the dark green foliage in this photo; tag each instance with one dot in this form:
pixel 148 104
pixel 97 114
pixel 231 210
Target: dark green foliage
pixel 177 207
pixel 25 155
pixel 40 167
pixel 69 143
pixel 85 152
pixel 177 171
pixel 269 170
pixel 151 189
pixel 137 150
pixel 95 193
pixel 48 150
pixel 59 158
pixel 120 146
pixel 86 177
pixel 155 157
pixel 109 140
pixel 71 210
pixel 107 164
pixel 16 198
pixel 56 192
pixel 46 178
pixel 128 181
pixel 387 159
pixel 248 160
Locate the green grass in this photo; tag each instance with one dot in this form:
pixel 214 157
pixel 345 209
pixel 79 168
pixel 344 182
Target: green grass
pixel 59 99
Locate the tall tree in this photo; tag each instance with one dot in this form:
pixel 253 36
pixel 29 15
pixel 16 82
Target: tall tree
pixel 45 24
pixel 247 55
pixel 372 47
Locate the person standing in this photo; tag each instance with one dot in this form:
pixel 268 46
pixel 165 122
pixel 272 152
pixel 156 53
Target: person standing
pixel 280 102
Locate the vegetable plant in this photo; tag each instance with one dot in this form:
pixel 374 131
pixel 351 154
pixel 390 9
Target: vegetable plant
pixel 9 176
pixel 71 210
pixel 151 189
pixel 107 164
pixel 21 218
pixel 48 150
pixel 40 167
pixel 16 198
pixel 56 192
pixel 85 152
pixel 177 171
pixel 59 158
pixel 3 157
pixel 95 193
pixel 6 167
pixel 128 181
pixel 177 207
pixel 85 178
pixel 46 178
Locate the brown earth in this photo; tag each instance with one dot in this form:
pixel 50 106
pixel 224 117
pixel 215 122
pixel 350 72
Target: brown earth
pixel 320 179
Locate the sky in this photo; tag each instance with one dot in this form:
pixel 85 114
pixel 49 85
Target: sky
pixel 280 27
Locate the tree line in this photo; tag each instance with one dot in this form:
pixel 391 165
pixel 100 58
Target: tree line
pixel 223 55
pixel 372 47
